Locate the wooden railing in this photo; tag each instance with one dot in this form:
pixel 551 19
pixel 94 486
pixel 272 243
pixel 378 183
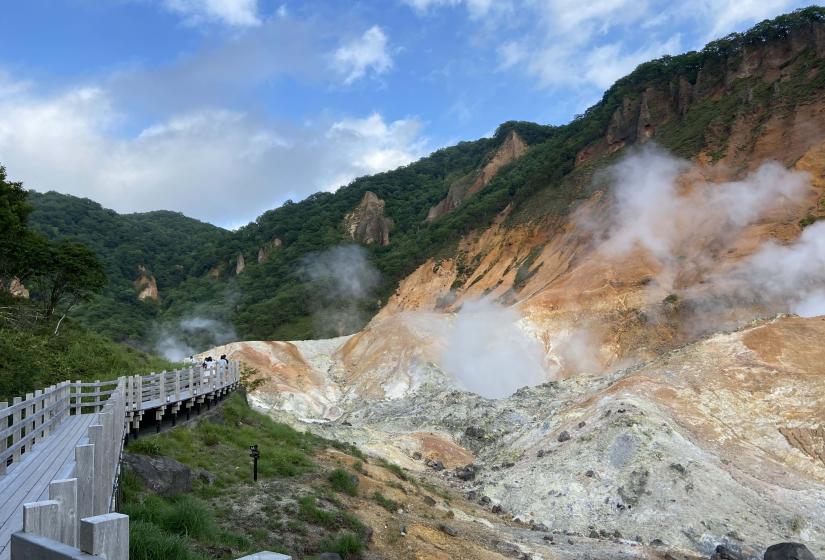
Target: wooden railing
pixel 26 421
pixel 78 516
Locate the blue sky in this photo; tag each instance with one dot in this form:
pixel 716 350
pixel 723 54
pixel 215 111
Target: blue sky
pixel 222 109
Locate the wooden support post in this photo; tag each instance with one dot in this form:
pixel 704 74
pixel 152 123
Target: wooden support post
pixel 191 373
pixel 77 390
pixel 15 437
pixel 106 536
pixel 96 438
pixel 64 492
pixel 177 385
pixel 28 419
pixel 37 415
pixel 84 457
pixel 3 441
pixel 162 379
pixel 41 518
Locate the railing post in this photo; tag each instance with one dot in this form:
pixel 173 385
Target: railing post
pixel 106 536
pixel 3 441
pixel 162 379
pixel 28 421
pixel 84 457
pixel 96 438
pixel 15 422
pixel 76 390
pixel 64 492
pixel 37 414
pixel 177 385
pixel 41 518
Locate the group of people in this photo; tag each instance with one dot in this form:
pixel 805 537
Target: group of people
pixel 208 361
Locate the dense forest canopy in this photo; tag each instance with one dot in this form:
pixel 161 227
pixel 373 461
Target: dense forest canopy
pixel 194 263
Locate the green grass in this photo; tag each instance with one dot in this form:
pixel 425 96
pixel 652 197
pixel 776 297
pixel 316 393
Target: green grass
pixel 207 524
pixel 394 469
pixel 221 446
pixel 344 481
pixel 348 545
pixel 389 505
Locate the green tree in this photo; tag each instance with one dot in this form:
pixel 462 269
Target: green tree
pixel 72 275
pixel 18 246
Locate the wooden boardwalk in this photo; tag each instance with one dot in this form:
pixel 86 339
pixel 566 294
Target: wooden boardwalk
pixel 60 452
pixel 28 480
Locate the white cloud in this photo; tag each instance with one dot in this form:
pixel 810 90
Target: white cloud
pixel 588 45
pixel 218 165
pixel 727 14
pixel 477 9
pixel 235 13
pixel 368 52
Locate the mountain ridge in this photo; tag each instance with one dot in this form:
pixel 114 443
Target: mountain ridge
pixel 693 104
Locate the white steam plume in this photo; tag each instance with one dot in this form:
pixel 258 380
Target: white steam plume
pixel 343 281
pixel 789 278
pixel 177 343
pixel 488 353
pixel 663 205
pixel 660 203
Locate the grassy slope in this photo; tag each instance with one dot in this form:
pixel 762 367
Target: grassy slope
pixel 293 508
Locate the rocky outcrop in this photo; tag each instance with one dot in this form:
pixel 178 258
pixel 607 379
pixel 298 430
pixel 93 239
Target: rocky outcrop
pixel 240 264
pixel 510 150
pixel 17 289
pixel 788 551
pixel 268 248
pixel 367 223
pixel 161 475
pixel 146 285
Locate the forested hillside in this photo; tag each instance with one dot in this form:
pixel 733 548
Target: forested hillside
pixel 686 103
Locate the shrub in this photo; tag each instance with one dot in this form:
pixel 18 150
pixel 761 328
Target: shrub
pixel 147 541
pixel 394 469
pixel 389 505
pixel 344 481
pixel 146 446
pixel 348 545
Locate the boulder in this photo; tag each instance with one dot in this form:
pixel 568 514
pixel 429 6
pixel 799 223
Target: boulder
pixel 564 436
pixel 161 475
pixel 465 473
pixel 446 529
pixel 724 553
pixel 788 551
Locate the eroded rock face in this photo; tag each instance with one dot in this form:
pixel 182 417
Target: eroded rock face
pixel 268 248
pixel 240 264
pixel 367 223
pixel 17 289
pixel 510 150
pixel 146 285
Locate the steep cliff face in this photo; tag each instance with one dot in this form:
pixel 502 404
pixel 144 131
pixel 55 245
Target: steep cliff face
pixel 146 285
pixel 367 223
pixel 510 150
pixel 240 264
pixel 758 86
pixel 268 248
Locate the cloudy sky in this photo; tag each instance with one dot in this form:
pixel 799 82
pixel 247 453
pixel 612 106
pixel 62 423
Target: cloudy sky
pixel 222 109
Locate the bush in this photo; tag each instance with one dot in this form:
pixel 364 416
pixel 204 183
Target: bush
pixel 348 545
pixel 389 505
pixel 344 481
pixel 147 541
